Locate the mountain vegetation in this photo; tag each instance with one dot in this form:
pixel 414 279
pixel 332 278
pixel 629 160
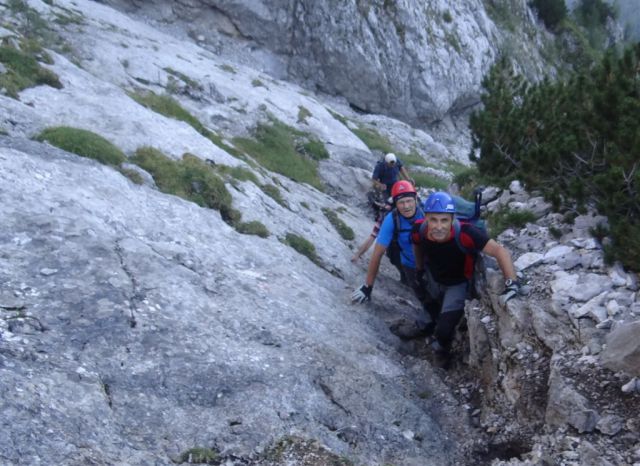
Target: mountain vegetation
pixel 576 140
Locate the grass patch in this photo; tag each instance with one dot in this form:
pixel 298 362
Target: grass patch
pixel 84 143
pixel 413 158
pixel 342 119
pixel 303 114
pixel 227 68
pixel 133 175
pixel 199 455
pixel 274 193
pixel 373 140
pixel 305 205
pixel 191 179
pixel 237 173
pixel 23 69
pixel 253 228
pixel 314 149
pixel 184 78
pixel 257 83
pixel 302 246
pixel 446 16
pixel 169 107
pixel 427 180
pixel 342 228
pixel 275 148
pixel 507 218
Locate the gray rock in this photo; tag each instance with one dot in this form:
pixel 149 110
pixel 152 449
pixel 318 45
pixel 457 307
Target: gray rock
pixel 566 406
pixel 623 349
pixel 610 424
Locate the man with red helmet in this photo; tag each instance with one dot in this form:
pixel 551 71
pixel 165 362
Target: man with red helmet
pixel 396 226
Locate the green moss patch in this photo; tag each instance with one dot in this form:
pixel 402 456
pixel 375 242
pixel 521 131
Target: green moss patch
pixel 84 143
pixel 342 228
pixel 276 147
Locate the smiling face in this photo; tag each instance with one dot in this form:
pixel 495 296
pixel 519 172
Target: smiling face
pixel 406 206
pixel 439 226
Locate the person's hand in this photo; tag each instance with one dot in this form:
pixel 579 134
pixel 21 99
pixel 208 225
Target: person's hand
pixel 420 285
pixel 355 258
pixel 412 181
pixel 362 294
pixel 512 288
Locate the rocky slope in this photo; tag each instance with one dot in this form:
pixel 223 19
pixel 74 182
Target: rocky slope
pixel 415 60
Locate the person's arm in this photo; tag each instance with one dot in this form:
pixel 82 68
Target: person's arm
pixel 417 254
pixel 363 248
pixel 374 264
pixel 380 186
pixel 503 256
pixel 405 174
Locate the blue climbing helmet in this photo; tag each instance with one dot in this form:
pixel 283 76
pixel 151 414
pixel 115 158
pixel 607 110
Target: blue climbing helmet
pixel 439 203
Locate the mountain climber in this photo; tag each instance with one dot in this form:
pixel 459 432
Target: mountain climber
pixel 445 250
pixel 396 226
pixel 386 173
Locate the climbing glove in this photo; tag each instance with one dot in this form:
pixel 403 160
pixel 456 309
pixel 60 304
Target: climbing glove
pixel 362 294
pixel 420 285
pixel 512 288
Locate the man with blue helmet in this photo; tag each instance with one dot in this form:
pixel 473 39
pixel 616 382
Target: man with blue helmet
pixel 445 250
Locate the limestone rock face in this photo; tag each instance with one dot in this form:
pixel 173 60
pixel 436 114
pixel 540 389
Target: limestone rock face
pixel 411 59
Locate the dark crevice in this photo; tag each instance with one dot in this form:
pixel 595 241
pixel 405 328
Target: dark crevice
pixel 136 297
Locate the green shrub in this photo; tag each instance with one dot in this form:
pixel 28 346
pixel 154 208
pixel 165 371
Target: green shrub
pixel 23 71
pixel 302 246
pixel 342 228
pixel 190 178
pixel 253 228
pixel 200 455
pixel 506 218
pixel 257 83
pixel 447 16
pixel 274 147
pixel 575 140
pixel 84 143
pixel 551 12
pixel 373 140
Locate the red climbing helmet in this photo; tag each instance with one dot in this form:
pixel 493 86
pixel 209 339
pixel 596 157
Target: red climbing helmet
pixel 402 189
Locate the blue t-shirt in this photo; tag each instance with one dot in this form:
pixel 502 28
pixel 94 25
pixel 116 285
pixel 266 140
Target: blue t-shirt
pixel 404 236
pixel 387 174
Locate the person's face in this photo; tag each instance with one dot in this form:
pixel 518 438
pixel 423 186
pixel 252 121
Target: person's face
pixel 406 206
pixel 391 164
pixel 439 226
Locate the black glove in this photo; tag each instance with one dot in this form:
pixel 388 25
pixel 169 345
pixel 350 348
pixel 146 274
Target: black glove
pixel 362 294
pixel 511 289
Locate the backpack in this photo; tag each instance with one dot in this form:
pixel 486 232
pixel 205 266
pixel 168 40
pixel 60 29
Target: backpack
pixel 467 212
